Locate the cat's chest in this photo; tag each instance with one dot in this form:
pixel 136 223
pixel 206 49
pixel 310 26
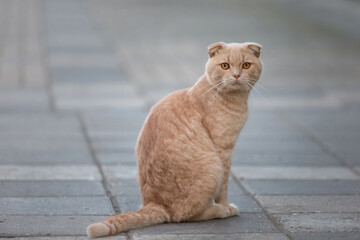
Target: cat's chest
pixel 224 129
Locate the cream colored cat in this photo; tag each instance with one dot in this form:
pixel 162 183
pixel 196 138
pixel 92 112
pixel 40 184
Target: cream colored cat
pixel 184 149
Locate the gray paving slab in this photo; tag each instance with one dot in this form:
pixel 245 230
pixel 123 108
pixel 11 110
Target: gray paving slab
pixel 53 173
pixel 293 204
pixel 295 173
pixel 281 159
pixel 351 159
pixel 119 91
pixel 85 75
pixel 111 158
pixel 310 148
pixel 244 236
pixel 19 100
pixel 245 223
pixel 36 145
pixel 127 194
pixel 117 237
pixel 46 158
pixel 56 206
pixel 319 222
pixel 24 121
pixel 47 226
pixel 326 235
pixel 116 172
pixel 302 187
pixel 126 187
pixel 115 136
pixel 90 103
pixel 84 59
pixel 278 146
pixel 129 202
pixel 127 145
pixel 50 188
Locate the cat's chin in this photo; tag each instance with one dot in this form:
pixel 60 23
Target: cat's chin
pixel 237 86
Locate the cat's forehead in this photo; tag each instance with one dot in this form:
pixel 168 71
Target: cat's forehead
pixel 234 52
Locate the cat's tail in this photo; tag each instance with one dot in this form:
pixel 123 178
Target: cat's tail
pixel 151 214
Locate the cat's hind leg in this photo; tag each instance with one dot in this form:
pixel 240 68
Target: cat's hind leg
pixel 215 211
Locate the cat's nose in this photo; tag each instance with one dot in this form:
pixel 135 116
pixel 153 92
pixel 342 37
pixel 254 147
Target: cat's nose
pixel 236 76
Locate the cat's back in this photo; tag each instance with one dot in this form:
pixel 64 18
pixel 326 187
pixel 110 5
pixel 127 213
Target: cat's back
pixel 175 119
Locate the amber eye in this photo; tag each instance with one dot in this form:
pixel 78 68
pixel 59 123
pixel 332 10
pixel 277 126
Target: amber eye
pixel 225 66
pixel 246 65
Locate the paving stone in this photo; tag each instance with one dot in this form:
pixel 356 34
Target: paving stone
pixel 127 194
pixel 68 172
pixel 125 187
pixel 45 158
pixel 39 145
pixel 292 204
pixel 23 100
pixel 49 136
pixel 50 188
pixel 111 158
pixel 87 59
pixel 245 223
pixel 115 136
pixel 319 222
pixel 294 147
pixel 72 47
pixel 85 75
pixel 120 237
pixel 302 187
pixel 244 236
pixel 326 235
pixel 127 145
pixel 56 206
pixel 97 103
pixel 281 159
pixel 74 40
pixel 113 172
pixel 296 173
pixel 106 90
pixel 129 202
pixel 12 226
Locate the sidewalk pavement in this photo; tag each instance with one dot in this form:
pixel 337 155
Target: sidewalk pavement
pixel 77 79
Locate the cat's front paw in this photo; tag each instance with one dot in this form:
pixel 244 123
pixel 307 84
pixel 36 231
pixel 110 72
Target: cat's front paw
pixel 233 209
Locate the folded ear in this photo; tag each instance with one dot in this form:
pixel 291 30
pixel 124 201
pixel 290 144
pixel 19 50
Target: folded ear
pixel 255 48
pixel 214 48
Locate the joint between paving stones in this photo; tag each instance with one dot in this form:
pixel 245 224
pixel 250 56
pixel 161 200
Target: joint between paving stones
pixel 279 227
pixel 98 165
pixel 307 132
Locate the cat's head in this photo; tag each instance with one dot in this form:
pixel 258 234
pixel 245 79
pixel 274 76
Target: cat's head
pixel 233 66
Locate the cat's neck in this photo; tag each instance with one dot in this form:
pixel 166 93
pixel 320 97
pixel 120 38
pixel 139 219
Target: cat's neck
pixel 210 97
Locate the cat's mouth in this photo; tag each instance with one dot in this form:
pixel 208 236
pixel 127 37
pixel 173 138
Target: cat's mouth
pixel 237 82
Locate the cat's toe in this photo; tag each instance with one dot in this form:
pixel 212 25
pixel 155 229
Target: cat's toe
pixel 233 209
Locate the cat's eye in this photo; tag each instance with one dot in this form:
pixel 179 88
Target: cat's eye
pixel 225 66
pixel 246 65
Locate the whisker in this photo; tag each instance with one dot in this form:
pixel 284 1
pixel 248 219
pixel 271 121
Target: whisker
pixel 252 80
pixel 211 88
pixel 256 90
pixel 219 89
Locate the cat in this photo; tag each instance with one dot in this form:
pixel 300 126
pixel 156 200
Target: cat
pixel 184 148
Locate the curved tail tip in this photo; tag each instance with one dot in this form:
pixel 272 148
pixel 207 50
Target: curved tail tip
pixel 98 230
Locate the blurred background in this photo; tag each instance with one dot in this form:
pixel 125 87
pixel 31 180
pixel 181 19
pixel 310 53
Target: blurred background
pixel 77 79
